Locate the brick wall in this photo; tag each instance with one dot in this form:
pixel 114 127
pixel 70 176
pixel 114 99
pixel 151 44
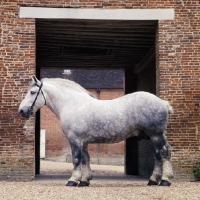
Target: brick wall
pixel 58 148
pixel 17 61
pixel 178 52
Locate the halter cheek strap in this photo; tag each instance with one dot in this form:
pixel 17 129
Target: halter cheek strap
pixel 44 98
pixel 40 87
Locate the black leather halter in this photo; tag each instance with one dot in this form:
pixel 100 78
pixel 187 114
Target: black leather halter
pixel 40 89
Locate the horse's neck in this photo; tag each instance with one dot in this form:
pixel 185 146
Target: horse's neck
pixel 57 97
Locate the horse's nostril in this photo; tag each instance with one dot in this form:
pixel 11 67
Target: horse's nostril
pixel 21 111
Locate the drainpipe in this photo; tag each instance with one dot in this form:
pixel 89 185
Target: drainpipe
pixel 98 145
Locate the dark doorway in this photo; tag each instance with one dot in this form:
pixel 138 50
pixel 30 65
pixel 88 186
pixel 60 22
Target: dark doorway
pixel 131 144
pixel 101 44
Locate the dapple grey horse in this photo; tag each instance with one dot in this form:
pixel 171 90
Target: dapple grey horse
pixel 85 119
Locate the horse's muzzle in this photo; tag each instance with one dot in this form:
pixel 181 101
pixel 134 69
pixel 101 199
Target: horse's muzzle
pixel 26 113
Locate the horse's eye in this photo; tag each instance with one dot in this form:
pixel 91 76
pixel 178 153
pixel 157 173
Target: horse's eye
pixel 32 92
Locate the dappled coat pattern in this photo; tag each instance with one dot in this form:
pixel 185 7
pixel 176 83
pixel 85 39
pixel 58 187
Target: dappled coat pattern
pixel 85 119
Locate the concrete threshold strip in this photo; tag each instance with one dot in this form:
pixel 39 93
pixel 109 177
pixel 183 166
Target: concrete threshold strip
pixel 96 14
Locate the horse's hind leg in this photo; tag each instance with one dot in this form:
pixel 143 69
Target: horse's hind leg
pixel 157 171
pixel 167 173
pixel 76 159
pixel 162 172
pixel 86 171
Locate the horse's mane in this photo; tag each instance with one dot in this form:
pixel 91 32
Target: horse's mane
pixel 69 84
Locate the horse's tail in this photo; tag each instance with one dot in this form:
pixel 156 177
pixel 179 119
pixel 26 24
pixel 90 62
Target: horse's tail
pixel 170 109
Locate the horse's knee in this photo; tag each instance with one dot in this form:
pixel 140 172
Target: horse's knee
pixel 76 161
pixel 76 158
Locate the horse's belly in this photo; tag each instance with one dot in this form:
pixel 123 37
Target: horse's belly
pixel 110 137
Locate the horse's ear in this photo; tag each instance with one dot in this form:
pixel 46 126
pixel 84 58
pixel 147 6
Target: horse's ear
pixel 35 79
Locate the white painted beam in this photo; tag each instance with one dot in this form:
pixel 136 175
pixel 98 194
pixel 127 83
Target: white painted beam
pixel 96 14
pixel 42 143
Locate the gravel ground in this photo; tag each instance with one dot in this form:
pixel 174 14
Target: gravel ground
pixel 109 182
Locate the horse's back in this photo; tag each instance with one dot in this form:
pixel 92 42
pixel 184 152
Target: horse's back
pixel 115 120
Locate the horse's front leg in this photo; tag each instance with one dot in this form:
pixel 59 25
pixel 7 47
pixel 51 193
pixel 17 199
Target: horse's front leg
pixel 76 159
pixel 86 171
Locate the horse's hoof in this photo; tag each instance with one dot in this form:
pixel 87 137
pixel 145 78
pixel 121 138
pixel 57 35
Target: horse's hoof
pixel 83 184
pixel 150 183
pixel 72 183
pixel 164 183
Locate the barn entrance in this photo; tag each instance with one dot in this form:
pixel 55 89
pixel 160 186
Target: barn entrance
pixel 97 45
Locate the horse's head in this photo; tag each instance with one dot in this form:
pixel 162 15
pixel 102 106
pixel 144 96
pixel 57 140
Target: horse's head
pixel 34 99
